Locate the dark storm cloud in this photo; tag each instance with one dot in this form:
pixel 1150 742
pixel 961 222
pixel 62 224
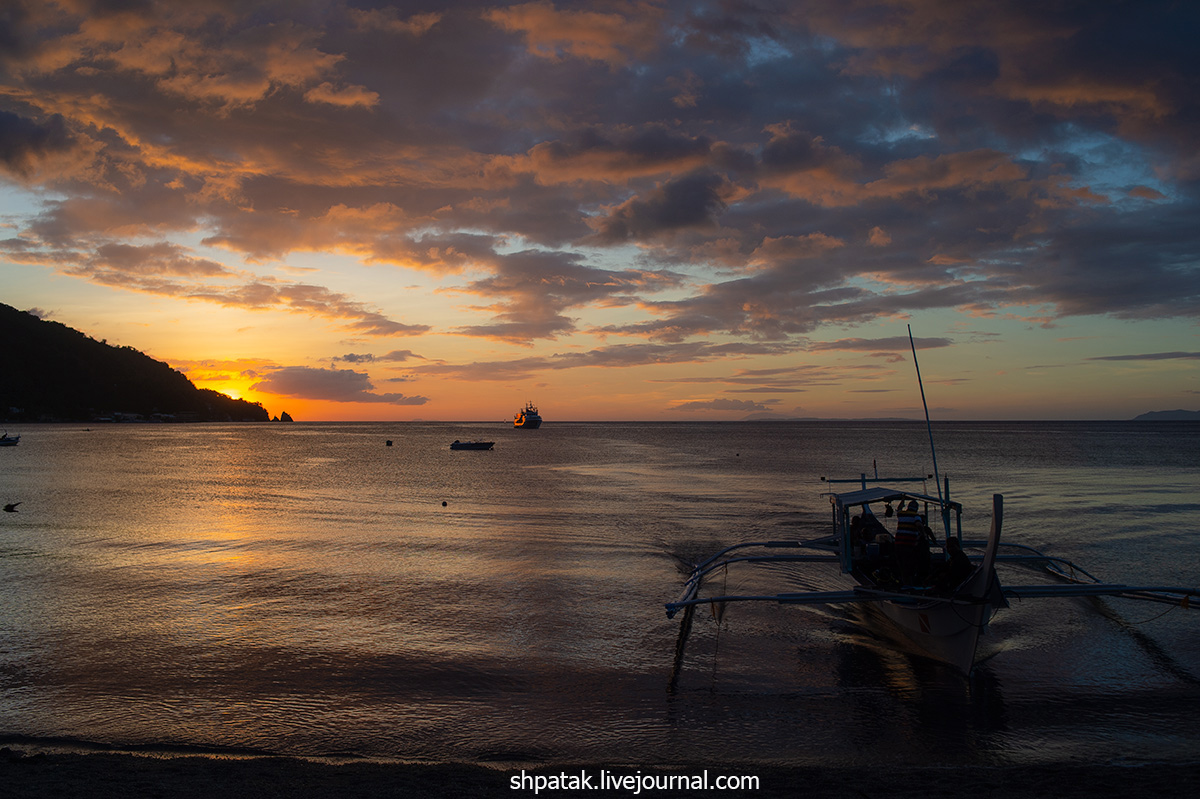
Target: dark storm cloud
pixel 652 149
pixel 23 142
pixel 759 170
pixel 692 201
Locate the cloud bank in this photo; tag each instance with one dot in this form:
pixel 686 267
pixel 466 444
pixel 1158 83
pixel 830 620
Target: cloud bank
pixel 697 179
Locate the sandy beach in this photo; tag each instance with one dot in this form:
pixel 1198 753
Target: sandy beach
pixel 100 775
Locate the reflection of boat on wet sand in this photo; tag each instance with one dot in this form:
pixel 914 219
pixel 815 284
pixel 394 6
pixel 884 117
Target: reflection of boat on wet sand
pixel 472 444
pixel 528 417
pixel 938 597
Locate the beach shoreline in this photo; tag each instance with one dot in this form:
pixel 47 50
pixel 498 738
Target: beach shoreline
pixel 29 774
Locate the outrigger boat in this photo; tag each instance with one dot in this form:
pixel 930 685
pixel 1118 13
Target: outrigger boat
pixel 938 596
pixel 941 602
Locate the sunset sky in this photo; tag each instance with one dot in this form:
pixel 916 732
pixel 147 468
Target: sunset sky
pixel 618 210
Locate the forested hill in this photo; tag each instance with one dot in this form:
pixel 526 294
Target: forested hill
pixel 50 372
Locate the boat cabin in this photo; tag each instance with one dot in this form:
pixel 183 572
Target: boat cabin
pixel 881 542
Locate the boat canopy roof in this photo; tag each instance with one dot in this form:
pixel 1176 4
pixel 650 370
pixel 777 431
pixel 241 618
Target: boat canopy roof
pixel 865 496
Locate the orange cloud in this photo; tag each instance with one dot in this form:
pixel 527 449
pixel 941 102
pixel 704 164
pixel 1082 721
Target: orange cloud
pixel 388 20
pixel 782 249
pixel 964 170
pixel 826 178
pixel 346 96
pixel 610 37
pixel 1146 193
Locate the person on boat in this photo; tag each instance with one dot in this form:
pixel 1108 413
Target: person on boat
pixel 858 544
pixel 909 525
pixel 958 566
pixel 911 544
pixel 864 529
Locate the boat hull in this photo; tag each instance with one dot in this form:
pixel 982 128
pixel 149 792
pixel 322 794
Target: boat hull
pixel 947 627
pixel 944 631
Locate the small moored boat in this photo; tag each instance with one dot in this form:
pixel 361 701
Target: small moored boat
pixel 9 441
pixel 472 444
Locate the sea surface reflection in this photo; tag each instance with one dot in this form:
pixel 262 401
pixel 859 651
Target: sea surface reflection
pixel 305 589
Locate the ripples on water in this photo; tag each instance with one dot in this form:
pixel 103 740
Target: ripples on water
pixel 303 589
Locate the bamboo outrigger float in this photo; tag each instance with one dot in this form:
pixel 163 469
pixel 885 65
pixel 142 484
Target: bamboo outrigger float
pixel 938 594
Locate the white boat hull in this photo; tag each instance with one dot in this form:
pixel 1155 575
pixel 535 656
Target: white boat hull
pixel 948 632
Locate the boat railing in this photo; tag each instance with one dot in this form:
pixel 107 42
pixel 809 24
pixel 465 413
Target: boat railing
pixel 1060 567
pixel 805 598
pixel 818 543
pixel 857 594
pixel 721 560
pixel 862 478
pixel 1080 581
pixel 1167 594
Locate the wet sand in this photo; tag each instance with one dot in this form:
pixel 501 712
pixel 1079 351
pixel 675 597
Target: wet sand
pixel 102 775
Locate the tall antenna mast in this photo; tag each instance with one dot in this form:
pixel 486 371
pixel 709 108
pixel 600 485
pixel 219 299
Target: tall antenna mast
pixel 936 479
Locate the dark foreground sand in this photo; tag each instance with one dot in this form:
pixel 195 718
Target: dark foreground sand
pixel 128 776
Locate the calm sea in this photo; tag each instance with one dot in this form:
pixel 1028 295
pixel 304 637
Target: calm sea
pixel 307 589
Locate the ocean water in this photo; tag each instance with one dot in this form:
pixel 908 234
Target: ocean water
pixel 305 589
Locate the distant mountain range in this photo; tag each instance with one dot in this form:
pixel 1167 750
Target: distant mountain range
pixel 775 417
pixel 51 372
pixel 1169 416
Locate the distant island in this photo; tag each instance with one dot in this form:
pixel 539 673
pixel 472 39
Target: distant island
pixel 1169 416
pixel 774 417
pixel 54 373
